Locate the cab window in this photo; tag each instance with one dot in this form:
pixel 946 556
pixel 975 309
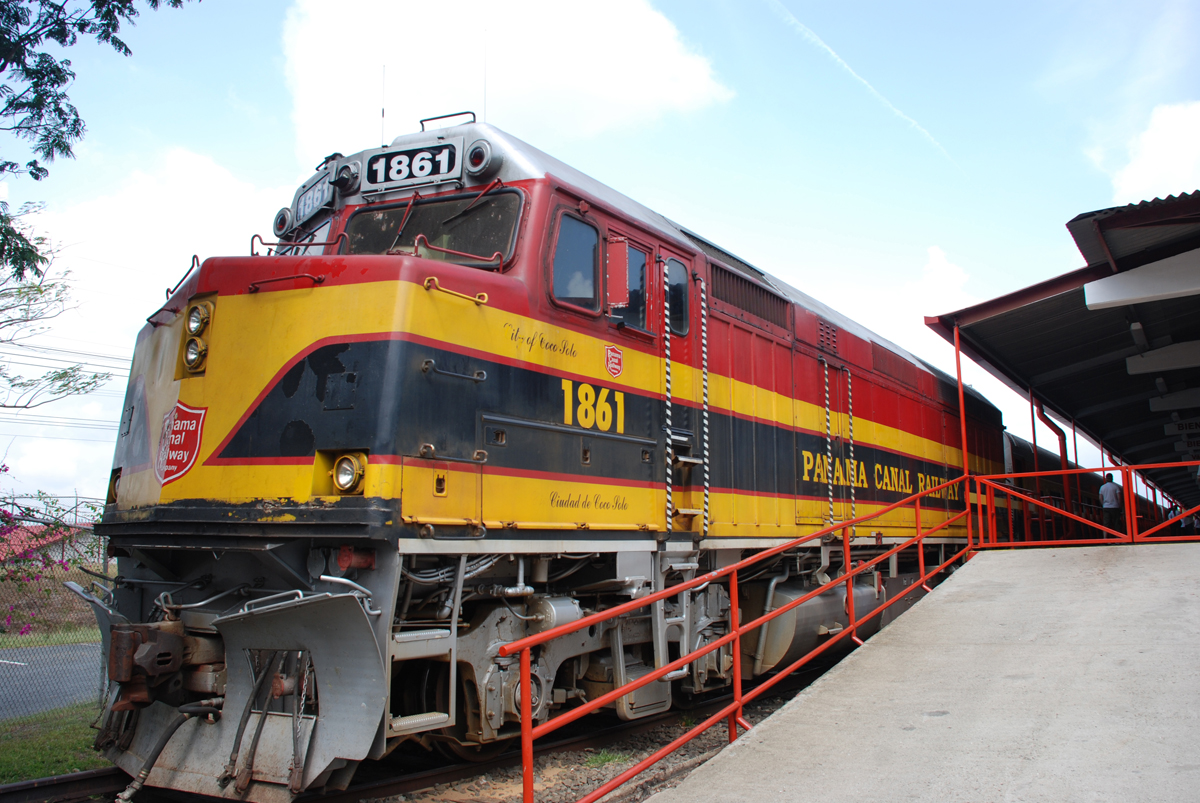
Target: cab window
pixel 576 258
pixel 677 294
pixel 634 314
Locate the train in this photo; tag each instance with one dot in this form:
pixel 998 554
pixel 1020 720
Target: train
pixel 469 393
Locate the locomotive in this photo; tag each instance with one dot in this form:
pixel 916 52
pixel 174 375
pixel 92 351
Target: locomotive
pixel 471 394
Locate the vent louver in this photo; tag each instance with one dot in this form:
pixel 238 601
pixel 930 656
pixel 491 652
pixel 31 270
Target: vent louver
pixel 827 336
pixel 893 365
pixel 746 295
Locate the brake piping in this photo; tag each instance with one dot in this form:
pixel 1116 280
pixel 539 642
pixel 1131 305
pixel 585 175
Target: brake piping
pixel 244 774
pixel 231 767
pixel 187 711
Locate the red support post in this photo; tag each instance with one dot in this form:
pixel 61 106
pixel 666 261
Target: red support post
pixel 921 539
pixel 1037 481
pixel 991 506
pixel 735 618
pixel 526 727
pixel 962 420
pixel 848 566
pixel 1130 504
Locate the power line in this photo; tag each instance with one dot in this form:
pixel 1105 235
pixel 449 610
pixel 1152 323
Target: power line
pixel 115 357
pixel 55 421
pixel 54 438
pixel 106 369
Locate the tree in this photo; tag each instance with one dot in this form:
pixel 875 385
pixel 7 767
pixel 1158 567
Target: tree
pixel 36 107
pixel 26 304
pixel 36 110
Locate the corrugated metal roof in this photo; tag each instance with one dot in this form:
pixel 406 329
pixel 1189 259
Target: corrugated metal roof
pixel 1045 338
pixel 1133 233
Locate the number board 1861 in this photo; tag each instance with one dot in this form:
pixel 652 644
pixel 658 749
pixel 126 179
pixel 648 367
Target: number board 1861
pixel 439 161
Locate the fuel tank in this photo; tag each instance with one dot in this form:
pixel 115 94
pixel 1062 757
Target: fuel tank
pixel 794 633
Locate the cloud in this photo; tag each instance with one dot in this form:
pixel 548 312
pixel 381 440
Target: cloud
pixel 182 203
pixel 1164 158
pixel 545 65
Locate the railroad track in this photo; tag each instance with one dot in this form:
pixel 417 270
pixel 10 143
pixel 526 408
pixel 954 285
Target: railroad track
pixel 107 782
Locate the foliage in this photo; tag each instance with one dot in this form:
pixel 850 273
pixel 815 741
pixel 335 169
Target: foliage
pixel 25 306
pixel 33 90
pixel 28 569
pixel 50 743
pixel 36 106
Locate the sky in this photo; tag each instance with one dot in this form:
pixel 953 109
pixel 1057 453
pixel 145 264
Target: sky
pixel 892 160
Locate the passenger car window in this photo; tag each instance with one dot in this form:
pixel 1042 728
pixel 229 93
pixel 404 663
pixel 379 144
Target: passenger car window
pixel 677 289
pixel 576 256
pixel 635 313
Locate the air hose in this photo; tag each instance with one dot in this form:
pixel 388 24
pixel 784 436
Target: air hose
pixel 231 767
pixel 186 712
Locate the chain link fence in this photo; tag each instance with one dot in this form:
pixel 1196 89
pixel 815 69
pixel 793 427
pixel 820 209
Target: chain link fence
pixel 52 673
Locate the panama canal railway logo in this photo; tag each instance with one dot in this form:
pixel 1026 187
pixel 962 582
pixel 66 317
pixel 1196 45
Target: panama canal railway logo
pixel 179 442
pixel 614 360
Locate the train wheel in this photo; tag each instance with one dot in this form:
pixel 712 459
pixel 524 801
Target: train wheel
pixel 431 691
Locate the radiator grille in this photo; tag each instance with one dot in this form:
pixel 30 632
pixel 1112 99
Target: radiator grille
pixel 746 295
pixel 895 366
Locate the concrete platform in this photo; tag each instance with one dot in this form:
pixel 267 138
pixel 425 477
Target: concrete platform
pixel 1031 675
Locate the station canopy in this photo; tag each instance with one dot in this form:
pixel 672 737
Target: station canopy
pixel 1113 346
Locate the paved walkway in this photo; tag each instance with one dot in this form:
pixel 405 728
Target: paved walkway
pixel 36 679
pixel 1030 675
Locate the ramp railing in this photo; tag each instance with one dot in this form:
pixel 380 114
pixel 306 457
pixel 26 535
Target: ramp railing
pixel 1008 515
pixel 732 712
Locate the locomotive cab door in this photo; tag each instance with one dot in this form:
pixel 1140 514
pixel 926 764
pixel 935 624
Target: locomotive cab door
pixel 575 445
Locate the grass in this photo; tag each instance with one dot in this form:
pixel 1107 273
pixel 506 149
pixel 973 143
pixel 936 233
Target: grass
pixel 604 757
pixel 50 743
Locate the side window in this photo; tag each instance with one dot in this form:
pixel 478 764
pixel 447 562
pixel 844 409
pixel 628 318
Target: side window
pixel 677 290
pixel 576 256
pixel 635 313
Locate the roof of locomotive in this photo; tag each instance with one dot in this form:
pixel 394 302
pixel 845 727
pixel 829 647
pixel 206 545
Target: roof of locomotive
pixel 522 161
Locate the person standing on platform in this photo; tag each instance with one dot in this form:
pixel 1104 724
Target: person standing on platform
pixel 1110 501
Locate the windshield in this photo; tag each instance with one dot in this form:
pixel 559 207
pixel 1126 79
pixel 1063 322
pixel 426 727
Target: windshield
pixel 476 233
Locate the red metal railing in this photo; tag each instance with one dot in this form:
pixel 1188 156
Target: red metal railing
pixel 981 516
pixel 731 712
pixel 991 534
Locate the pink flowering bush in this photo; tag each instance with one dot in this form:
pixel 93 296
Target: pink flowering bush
pixel 31 574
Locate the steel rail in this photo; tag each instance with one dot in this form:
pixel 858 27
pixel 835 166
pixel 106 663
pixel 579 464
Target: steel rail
pixel 80 786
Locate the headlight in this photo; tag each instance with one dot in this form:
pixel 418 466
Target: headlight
pixel 482 161
pixel 194 353
pixel 348 472
pixel 346 179
pixel 197 319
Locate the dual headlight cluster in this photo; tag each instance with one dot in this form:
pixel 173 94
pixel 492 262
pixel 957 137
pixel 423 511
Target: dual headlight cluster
pixel 195 350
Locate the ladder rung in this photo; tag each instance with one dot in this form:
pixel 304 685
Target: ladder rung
pixel 687 511
pixel 688 460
